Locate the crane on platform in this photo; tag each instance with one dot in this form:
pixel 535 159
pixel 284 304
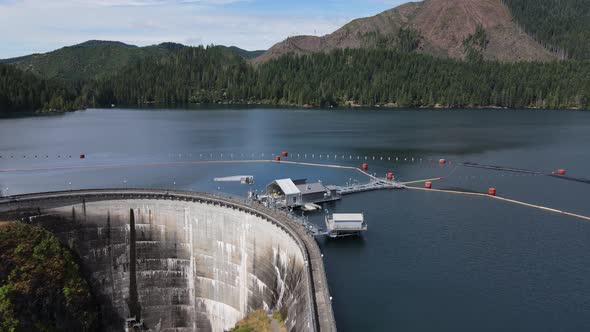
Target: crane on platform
pixel 243 179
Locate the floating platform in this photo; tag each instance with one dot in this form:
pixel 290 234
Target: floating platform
pixel 345 224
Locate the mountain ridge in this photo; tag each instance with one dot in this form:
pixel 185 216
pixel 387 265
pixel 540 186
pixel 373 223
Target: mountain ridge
pixel 435 27
pixel 95 59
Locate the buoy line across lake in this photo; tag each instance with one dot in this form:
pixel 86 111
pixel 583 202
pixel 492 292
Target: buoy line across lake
pixel 513 201
pixel 363 171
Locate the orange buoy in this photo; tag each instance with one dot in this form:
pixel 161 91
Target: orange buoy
pixel 82 156
pixel 492 191
pixel 285 154
pixel 442 161
pixel 428 185
pixel 561 171
pixel 390 176
pixel 277 158
pixel 365 167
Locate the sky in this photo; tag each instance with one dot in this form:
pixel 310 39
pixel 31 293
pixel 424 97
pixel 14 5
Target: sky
pixel 38 26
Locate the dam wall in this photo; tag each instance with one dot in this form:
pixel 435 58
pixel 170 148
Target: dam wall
pixel 182 261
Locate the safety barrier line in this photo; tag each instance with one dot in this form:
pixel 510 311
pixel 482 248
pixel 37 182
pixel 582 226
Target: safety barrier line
pixel 302 164
pixel 133 165
pixel 508 200
pixel 201 162
pixel 327 166
pixel 196 162
pixel 314 164
pixel 421 181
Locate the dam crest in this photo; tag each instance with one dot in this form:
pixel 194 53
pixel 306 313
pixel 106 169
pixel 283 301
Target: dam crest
pixel 185 261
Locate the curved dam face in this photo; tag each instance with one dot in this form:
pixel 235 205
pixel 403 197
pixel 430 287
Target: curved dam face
pixel 179 261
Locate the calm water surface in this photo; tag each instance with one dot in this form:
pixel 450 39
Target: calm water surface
pixel 429 261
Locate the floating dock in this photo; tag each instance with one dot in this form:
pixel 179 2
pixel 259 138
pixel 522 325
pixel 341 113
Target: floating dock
pixel 287 193
pixel 374 184
pixel 345 224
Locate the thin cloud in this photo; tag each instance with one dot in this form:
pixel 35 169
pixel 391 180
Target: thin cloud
pixel 38 26
pixel 144 3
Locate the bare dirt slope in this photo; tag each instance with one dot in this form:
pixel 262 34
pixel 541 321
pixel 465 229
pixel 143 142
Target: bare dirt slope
pixel 442 24
pixel 353 35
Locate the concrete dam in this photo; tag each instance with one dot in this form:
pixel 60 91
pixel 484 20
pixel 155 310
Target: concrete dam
pixel 184 261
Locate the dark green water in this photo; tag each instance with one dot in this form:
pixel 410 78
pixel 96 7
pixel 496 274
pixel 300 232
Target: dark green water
pixel 429 261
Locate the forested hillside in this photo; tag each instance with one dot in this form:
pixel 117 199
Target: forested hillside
pixel 363 76
pixel 193 75
pixel 244 53
pixel 41 286
pixel 20 91
pixel 561 25
pixel 96 59
pixel 90 60
pixel 342 77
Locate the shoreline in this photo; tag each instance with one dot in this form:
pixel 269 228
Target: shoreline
pixel 189 106
pixel 337 107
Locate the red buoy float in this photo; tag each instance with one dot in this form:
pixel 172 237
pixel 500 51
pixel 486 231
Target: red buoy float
pixel 442 161
pixel 82 156
pixel 365 167
pixel 390 176
pixel 285 154
pixel 277 158
pixel 561 171
pixel 492 191
pixel 428 185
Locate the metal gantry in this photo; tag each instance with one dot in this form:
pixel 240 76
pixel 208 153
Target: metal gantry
pixel 372 185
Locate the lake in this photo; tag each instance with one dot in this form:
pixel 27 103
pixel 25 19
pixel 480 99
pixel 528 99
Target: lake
pixel 429 261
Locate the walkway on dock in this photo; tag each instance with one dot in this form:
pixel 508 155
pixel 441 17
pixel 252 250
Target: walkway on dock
pixel 372 185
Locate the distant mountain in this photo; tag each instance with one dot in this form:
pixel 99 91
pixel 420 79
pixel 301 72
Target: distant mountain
pixel 96 59
pixel 89 60
pixel 457 29
pixel 93 43
pixel 243 53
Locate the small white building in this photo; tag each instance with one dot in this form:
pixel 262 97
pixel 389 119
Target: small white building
pixel 295 193
pixel 285 192
pixel 345 224
pixel 316 192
